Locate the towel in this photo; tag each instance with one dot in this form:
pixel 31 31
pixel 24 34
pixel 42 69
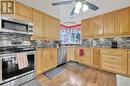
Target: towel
pixel 81 52
pixel 21 60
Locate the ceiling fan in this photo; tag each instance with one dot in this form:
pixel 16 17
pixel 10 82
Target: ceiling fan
pixel 79 4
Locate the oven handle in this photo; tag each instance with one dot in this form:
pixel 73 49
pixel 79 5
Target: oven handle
pixel 14 54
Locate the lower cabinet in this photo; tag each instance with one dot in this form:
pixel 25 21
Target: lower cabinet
pixel 96 57
pixel 51 58
pixel 114 60
pixel 70 54
pixel 129 63
pixel 86 57
pixel 39 60
pixel 46 59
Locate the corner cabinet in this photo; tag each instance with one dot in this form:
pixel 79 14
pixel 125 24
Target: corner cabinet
pixel 124 22
pixel 85 59
pixel 114 60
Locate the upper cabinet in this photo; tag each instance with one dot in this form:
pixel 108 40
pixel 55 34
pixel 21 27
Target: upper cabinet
pixel 83 29
pixel 89 29
pixel 110 24
pixel 38 22
pixel 116 23
pixel 23 12
pixel 52 28
pixel 124 22
pixel 98 26
pixel 92 27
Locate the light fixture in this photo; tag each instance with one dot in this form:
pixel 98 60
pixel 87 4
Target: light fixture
pixel 84 7
pixel 77 10
pixel 78 6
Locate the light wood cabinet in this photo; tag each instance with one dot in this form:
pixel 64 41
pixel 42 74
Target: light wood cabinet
pixel 83 29
pixel 46 59
pixel 51 57
pixel 38 24
pixel 114 60
pixel 71 54
pixel 110 24
pixel 98 26
pixel 96 57
pixel 23 12
pixel 93 27
pixel 89 28
pixel 124 22
pixel 52 28
pixel 85 59
pixel 128 62
pixel 39 61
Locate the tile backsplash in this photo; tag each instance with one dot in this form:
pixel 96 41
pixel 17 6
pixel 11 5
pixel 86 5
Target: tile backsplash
pixel 14 40
pixel 107 42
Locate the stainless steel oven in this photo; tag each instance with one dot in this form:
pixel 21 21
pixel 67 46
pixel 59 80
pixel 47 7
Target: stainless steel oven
pixel 9 70
pixel 11 25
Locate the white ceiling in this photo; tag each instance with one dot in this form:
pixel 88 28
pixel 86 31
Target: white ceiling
pixel 62 12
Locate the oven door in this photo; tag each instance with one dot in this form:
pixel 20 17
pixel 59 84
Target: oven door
pixel 10 69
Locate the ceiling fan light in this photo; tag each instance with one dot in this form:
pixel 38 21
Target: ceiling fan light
pixel 76 10
pixel 78 5
pixel 85 8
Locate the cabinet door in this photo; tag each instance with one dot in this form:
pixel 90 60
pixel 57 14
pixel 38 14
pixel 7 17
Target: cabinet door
pixel 98 26
pixel 70 54
pixel 88 29
pixel 48 27
pixel 110 24
pixel 38 24
pixel 47 58
pixel 53 56
pixel 124 22
pixel 83 29
pixel 128 62
pixel 56 29
pixel 23 12
pixel 39 63
pixel 52 28
pixel 86 58
pixel 96 57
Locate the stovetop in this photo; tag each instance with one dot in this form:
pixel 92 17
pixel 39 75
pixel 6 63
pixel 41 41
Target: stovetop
pixel 8 50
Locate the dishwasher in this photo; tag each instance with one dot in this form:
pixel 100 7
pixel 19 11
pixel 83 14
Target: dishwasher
pixel 62 55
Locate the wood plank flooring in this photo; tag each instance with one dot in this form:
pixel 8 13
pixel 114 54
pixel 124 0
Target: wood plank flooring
pixel 80 77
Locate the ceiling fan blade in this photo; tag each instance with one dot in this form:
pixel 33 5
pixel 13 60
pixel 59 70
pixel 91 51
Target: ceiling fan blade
pixel 92 6
pixel 72 12
pixel 62 3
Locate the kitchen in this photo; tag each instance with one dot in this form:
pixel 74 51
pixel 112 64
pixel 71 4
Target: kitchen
pixel 86 44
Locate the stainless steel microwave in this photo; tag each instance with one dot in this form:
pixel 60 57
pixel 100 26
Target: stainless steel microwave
pixel 11 25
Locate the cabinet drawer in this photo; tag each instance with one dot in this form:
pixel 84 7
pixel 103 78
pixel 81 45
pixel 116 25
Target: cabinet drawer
pixel 120 68
pixel 113 59
pixel 113 52
pixel 117 64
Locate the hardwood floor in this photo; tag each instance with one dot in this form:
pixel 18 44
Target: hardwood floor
pixel 72 76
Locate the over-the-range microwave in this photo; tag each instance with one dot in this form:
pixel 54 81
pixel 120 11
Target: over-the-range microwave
pixel 11 25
